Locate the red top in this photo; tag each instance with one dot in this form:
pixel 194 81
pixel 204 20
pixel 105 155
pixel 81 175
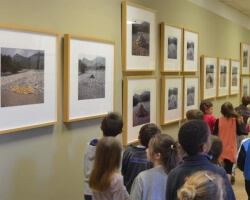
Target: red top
pixel 210 120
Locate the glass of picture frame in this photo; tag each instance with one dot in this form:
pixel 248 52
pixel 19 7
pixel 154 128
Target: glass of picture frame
pixel 88 77
pixel 171 48
pixel 29 78
pixel 209 77
pixel 139 105
pixel 223 77
pixel 138 37
pixel 244 55
pixel 234 77
pixel 171 99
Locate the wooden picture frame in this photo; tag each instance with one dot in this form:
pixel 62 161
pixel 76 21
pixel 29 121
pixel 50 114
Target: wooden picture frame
pixel 244 56
pixel 139 105
pixel 234 77
pixel 88 77
pixel 223 77
pixel 138 38
pixel 29 78
pixel 245 86
pixel 190 50
pixel 171 48
pixel 209 77
pixel 171 99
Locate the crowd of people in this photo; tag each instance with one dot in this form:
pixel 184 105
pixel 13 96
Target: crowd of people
pixel 199 165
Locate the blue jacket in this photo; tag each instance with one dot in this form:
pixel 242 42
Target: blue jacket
pixel 243 160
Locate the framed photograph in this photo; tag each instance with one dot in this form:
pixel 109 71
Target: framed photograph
pixel 139 105
pixel 190 51
pixel 245 86
pixel 171 48
pixel 138 37
pixel 190 94
pixel 209 77
pixel 171 99
pixel 29 78
pixel 88 77
pixel 234 77
pixel 223 77
pixel 244 55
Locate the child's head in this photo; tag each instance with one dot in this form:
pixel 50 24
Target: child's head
pixel 227 110
pixel 194 137
pixel 206 107
pixel 112 124
pixel 162 148
pixel 147 132
pixel 194 114
pixel 203 185
pixel 216 149
pixel 245 100
pixel 107 161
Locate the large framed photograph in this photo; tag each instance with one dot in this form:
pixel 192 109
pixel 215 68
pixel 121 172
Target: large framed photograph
pixel 29 78
pixel 171 99
pixel 209 77
pixel 190 51
pixel 190 94
pixel 88 77
pixel 171 48
pixel 223 77
pixel 234 77
pixel 139 105
pixel 245 86
pixel 138 37
pixel 244 55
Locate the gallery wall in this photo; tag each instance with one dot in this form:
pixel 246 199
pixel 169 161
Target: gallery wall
pixel 47 163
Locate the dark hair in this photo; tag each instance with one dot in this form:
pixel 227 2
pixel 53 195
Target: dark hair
pixel 227 110
pixel 204 105
pixel 194 114
pixel 112 124
pixel 245 100
pixel 166 146
pixel 192 135
pixel 216 149
pixel 147 132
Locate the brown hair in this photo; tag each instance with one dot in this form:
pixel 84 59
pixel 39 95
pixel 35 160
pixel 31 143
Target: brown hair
pixel 107 162
pixel 194 114
pixel 228 111
pixel 112 124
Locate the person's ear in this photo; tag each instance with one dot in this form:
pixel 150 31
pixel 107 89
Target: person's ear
pixel 100 126
pixel 157 156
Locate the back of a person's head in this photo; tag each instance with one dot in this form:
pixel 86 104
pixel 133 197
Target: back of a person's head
pixel 194 114
pixel 216 149
pixel 192 135
pixel 204 105
pixel 147 132
pixel 227 110
pixel 245 100
pixel 202 185
pixel 112 124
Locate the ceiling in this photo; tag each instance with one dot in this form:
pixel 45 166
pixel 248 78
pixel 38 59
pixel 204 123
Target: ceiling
pixel 243 6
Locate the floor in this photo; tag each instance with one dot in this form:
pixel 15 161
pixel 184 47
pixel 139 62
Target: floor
pixel 239 186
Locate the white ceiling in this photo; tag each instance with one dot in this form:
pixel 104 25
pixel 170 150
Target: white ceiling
pixel 243 6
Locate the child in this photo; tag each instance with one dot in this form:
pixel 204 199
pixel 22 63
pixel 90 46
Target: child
pixel 134 158
pixel 195 139
pixel 227 127
pixel 203 185
pixel 194 114
pixel 207 108
pixel 111 125
pixel 215 150
pixel 243 162
pixel 105 179
pixel 151 184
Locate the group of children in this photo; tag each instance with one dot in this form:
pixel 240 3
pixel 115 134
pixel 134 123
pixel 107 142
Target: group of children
pixel 161 168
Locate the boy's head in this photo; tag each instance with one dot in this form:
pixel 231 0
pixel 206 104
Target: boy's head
pixel 147 132
pixel 194 114
pixel 194 137
pixel 216 148
pixel 112 124
pixel 245 100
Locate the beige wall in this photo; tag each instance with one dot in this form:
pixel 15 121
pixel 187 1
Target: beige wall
pixel 47 163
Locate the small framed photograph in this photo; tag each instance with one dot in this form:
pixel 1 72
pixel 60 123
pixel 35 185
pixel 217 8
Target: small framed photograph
pixel 190 94
pixel 171 48
pixel 234 77
pixel 190 51
pixel 29 78
pixel 88 77
pixel 138 37
pixel 209 77
pixel 223 77
pixel 139 105
pixel 245 86
pixel 171 99
pixel 244 55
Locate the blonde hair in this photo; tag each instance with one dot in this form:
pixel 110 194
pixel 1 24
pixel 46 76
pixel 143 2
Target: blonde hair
pixel 107 162
pixel 202 185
